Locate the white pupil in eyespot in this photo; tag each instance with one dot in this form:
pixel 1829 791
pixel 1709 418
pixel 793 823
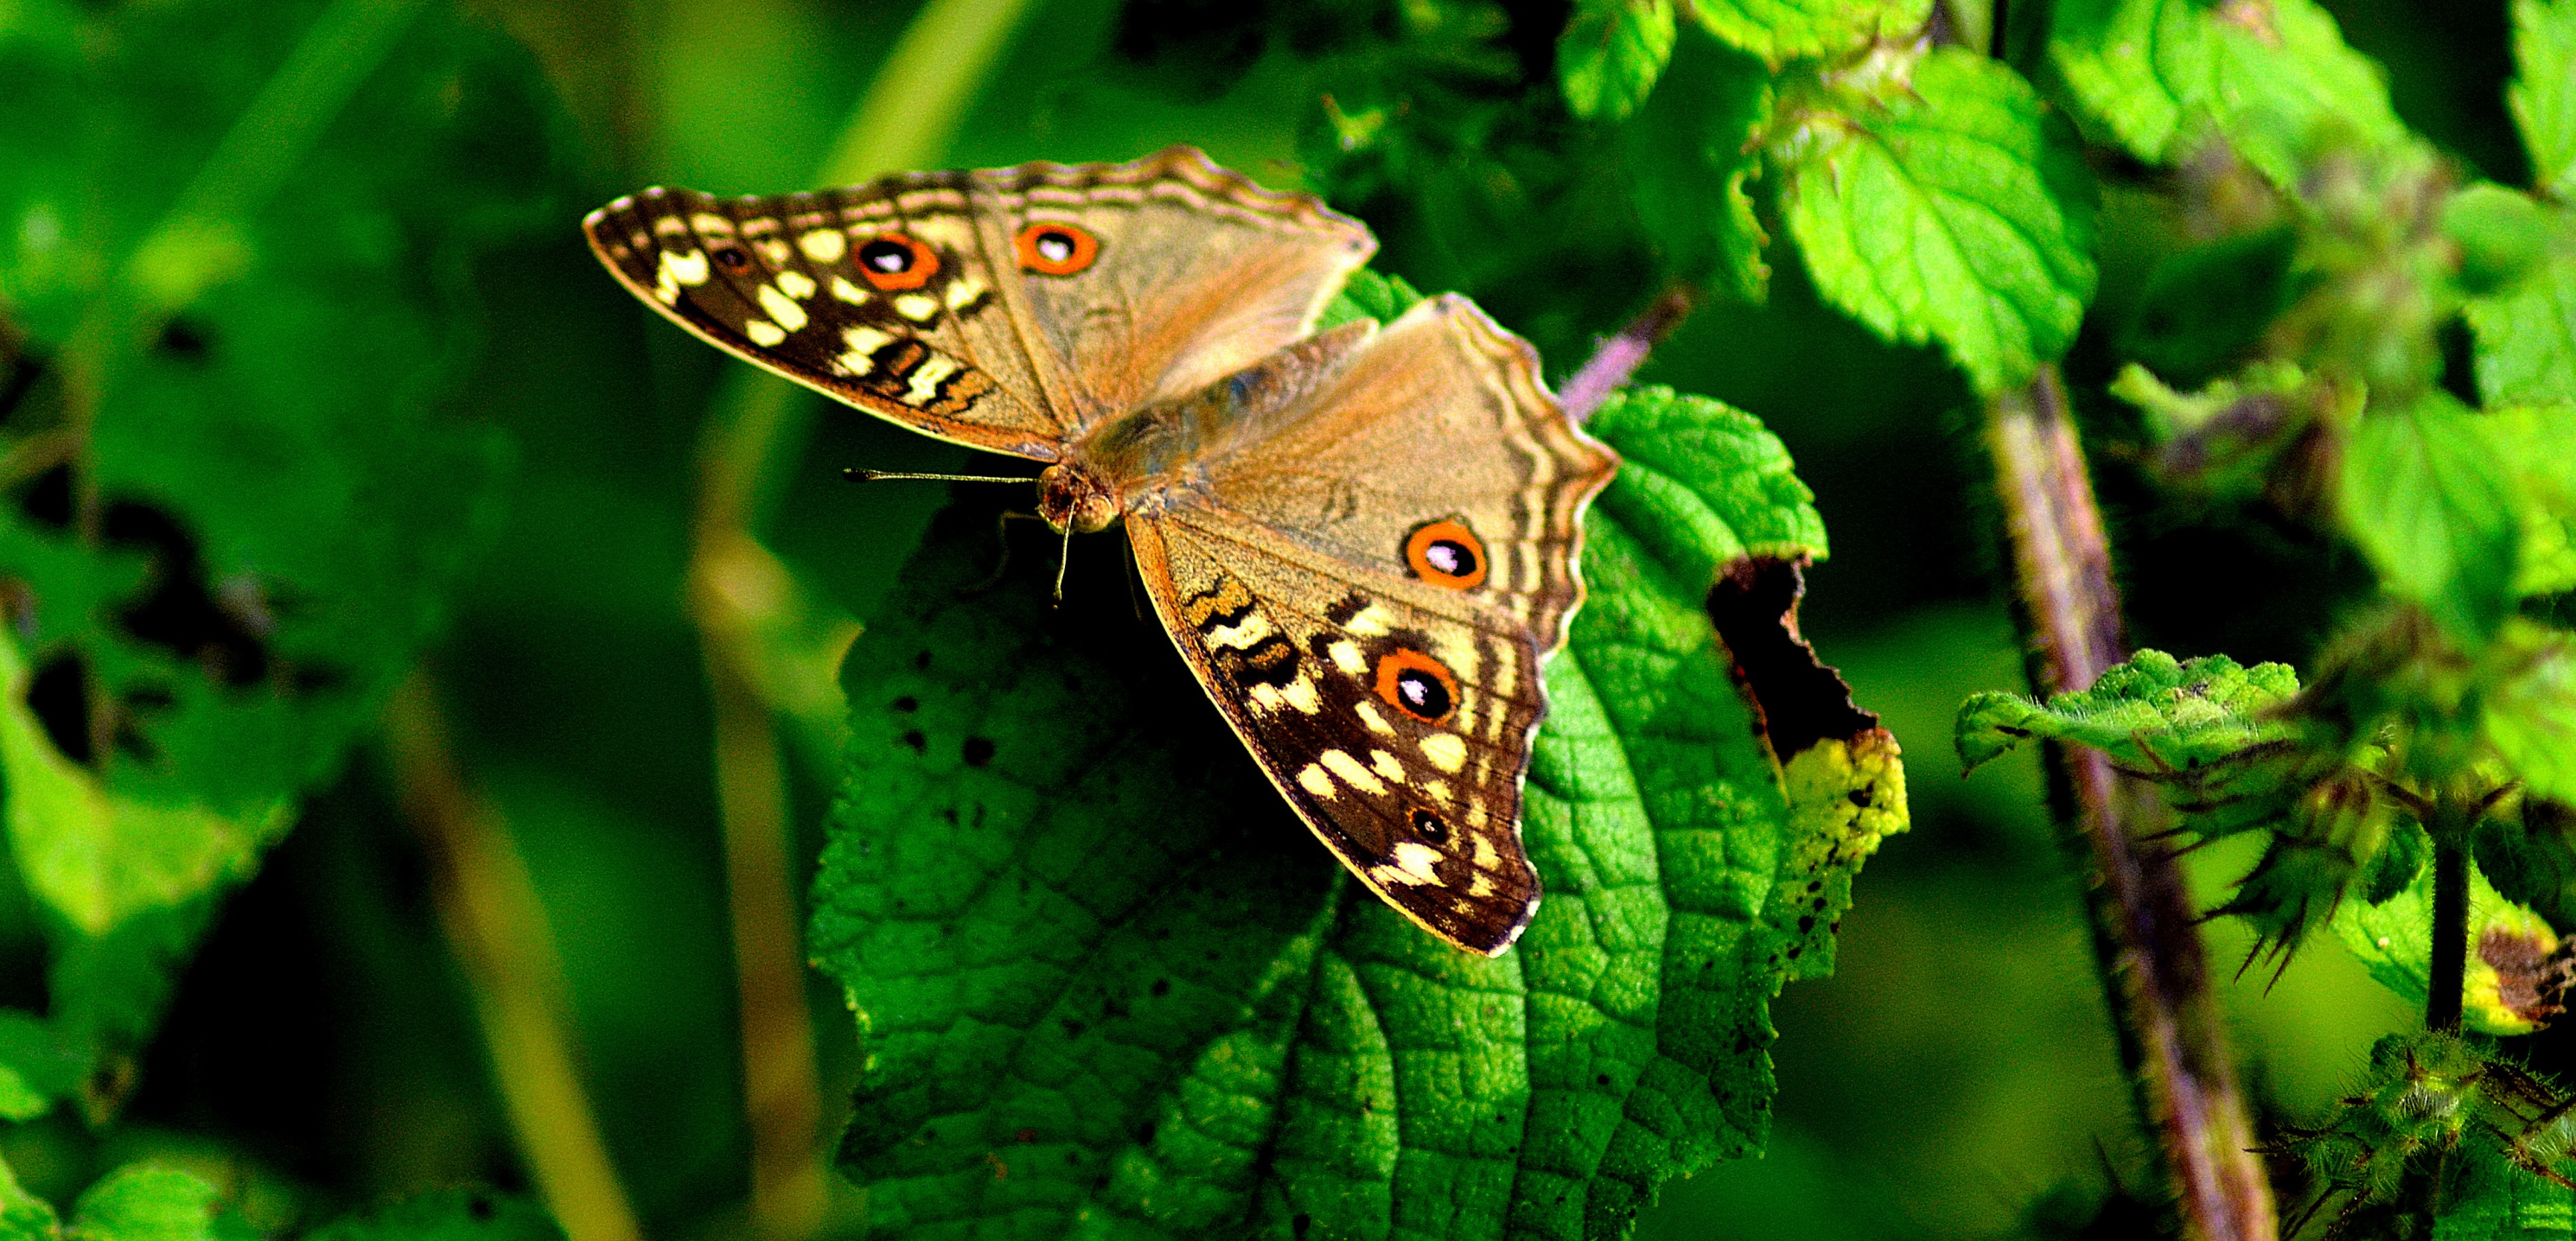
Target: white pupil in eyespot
pixel 1449 558
pixel 1055 247
pixel 1415 688
pixel 888 257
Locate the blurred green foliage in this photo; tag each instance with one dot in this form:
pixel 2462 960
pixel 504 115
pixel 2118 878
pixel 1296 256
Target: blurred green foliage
pixel 305 373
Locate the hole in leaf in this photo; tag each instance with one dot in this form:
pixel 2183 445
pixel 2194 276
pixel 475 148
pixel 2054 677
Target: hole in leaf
pixel 19 371
pixel 48 500
pixel 174 609
pixel 59 695
pixel 186 339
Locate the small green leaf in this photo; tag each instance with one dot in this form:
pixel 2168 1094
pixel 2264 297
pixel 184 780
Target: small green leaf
pixel 2152 712
pixel 24 1216
pixel 1109 988
pixel 2431 502
pixel 143 1202
pixel 2530 707
pixel 2502 234
pixel 2540 442
pixel 2526 336
pixel 1947 211
pixel 1689 154
pixel 1782 30
pixel 2149 70
pixel 2393 939
pixel 2543 94
pixel 1611 53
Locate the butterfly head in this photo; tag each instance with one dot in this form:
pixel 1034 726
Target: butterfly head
pixel 1071 499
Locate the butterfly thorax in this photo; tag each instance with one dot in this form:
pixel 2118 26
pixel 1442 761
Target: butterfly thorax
pixel 1126 460
pixel 1153 454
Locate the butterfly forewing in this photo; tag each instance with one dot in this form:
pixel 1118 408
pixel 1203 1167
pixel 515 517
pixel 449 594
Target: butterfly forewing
pixel 1004 309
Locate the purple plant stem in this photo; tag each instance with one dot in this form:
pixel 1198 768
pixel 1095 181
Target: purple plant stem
pixel 2146 927
pixel 1618 357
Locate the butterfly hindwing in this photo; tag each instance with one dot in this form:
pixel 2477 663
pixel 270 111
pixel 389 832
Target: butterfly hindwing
pixel 1433 453
pixel 1381 555
pixel 1397 722
pixel 1004 309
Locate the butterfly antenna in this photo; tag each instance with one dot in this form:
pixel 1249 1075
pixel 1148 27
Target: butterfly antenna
pixel 1063 559
pixel 871 476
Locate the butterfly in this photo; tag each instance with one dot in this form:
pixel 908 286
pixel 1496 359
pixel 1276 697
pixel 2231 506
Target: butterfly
pixel 1362 540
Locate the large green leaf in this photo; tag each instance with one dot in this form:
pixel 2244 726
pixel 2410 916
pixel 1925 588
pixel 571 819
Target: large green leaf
pixel 233 250
pixel 1943 209
pixel 1109 987
pixel 2276 81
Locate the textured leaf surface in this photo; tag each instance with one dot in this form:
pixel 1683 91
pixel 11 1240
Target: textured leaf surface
pixel 2148 70
pixel 1109 986
pixel 2491 1200
pixel 446 1215
pixel 1945 211
pixel 1778 30
pixel 1611 54
pixel 2543 94
pixel 2152 709
pixel 231 255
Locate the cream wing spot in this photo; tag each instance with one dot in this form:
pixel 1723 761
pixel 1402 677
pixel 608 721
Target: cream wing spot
pixel 1483 885
pixel 1487 857
pixel 918 307
pixel 965 293
pixel 796 284
pixel 848 292
pixel 782 308
pixel 772 249
pixel 923 387
pixel 1312 779
pixel 688 267
pixel 1386 766
pixel 1438 789
pixel 763 332
pixel 1243 636
pixel 1370 622
pixel 1419 862
pixel 1368 713
pixel 1340 763
pixel 1447 751
pixel 1346 656
pixel 824 245
pixel 707 223
pixel 665 289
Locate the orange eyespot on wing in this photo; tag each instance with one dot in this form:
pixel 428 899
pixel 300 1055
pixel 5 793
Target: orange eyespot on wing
pixel 1446 553
pixel 1053 248
pixel 894 262
pixel 1417 685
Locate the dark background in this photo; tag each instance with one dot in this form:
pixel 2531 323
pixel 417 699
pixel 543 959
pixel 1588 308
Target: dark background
pixel 1956 1079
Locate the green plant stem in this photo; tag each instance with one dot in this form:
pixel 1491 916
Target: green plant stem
pixel 490 913
pixel 2448 975
pixel 2145 927
pixel 744 600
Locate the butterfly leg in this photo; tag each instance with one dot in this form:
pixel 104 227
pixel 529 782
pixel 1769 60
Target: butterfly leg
pixel 1002 535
